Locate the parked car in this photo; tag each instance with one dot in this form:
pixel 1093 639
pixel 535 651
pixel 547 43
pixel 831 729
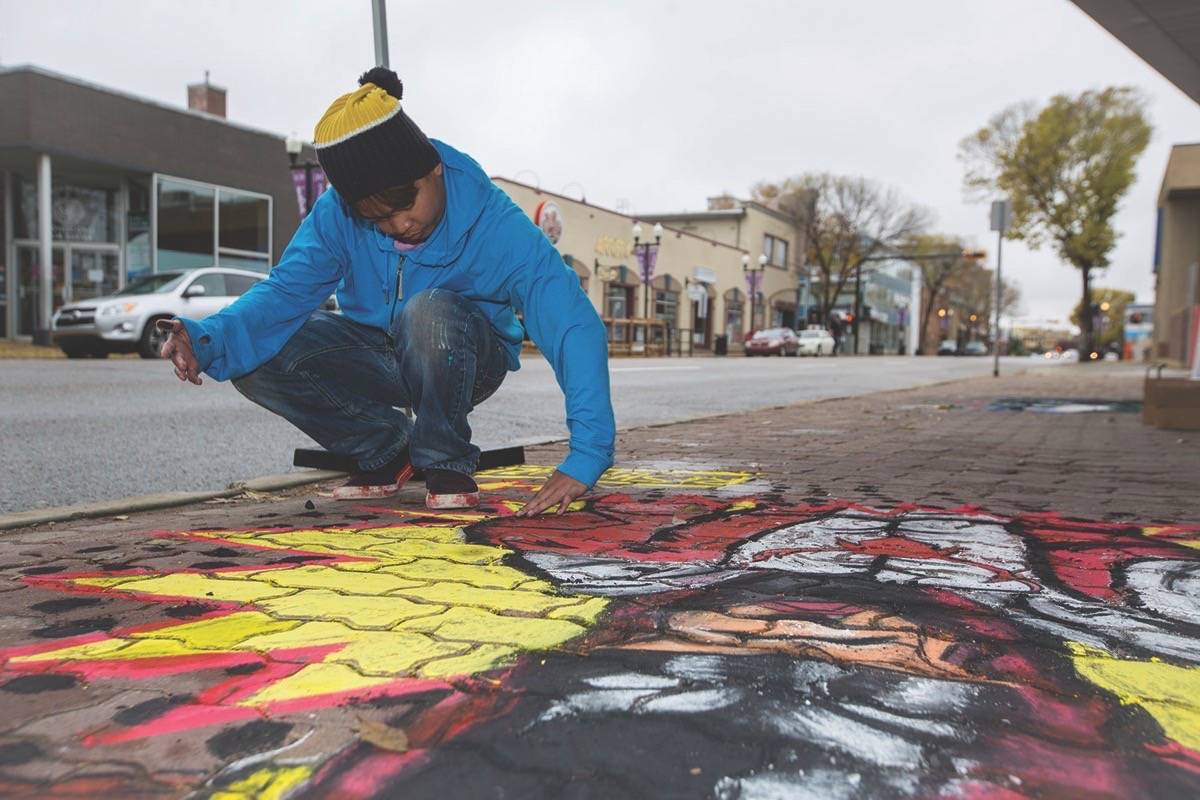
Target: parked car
pixel 815 342
pixel 773 342
pixel 124 321
pixel 948 347
pixel 975 349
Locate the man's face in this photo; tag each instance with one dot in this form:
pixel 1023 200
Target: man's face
pixel 410 225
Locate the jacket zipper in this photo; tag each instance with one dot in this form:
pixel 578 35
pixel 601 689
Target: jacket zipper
pixel 396 296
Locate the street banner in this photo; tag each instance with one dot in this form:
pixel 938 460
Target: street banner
pixel 647 258
pixel 753 278
pixel 319 184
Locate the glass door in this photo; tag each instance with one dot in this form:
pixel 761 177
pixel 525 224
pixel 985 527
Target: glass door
pixel 94 273
pixel 28 279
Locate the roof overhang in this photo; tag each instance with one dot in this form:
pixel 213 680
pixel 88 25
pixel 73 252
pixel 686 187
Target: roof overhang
pixel 1165 33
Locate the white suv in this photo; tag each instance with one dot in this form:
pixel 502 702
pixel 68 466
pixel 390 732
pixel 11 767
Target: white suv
pixel 124 322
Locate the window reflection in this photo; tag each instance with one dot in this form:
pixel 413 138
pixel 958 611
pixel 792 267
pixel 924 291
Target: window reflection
pixel 185 225
pixel 243 221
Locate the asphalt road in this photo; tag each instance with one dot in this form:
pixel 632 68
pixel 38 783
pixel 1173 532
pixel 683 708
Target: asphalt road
pixel 79 431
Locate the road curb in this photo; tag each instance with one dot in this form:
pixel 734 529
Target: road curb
pixel 150 502
pixel 288 480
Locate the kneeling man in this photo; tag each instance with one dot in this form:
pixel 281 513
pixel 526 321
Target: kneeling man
pixel 431 263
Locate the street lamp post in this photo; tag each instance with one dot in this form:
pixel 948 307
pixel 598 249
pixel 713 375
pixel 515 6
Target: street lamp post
pixel 753 277
pixel 647 256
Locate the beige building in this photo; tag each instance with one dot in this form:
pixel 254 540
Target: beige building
pixel 1177 257
pixel 698 291
pixel 769 237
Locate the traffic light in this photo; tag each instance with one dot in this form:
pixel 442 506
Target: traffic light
pixel 941 312
pixel 974 317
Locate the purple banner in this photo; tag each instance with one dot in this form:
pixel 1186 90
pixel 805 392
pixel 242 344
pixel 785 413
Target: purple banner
pixel 647 258
pixel 753 278
pixel 319 184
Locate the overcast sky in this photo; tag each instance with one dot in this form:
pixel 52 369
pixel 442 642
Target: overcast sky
pixel 652 105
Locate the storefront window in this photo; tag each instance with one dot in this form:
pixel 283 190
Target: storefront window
pixel 77 213
pixel 617 302
pixel 666 305
pixel 256 263
pixel 200 225
pixel 244 223
pixel 186 222
pixel 137 232
pixel 735 303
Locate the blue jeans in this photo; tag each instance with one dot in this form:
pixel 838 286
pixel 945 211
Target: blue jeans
pixel 345 384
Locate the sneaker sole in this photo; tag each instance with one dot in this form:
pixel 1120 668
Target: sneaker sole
pixel 374 492
pixel 441 502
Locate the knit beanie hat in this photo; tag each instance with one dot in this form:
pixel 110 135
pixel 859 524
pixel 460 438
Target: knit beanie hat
pixel 366 143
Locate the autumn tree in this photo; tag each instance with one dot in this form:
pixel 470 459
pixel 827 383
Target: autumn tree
pixel 938 257
pixel 1064 169
pixel 1108 308
pixel 845 221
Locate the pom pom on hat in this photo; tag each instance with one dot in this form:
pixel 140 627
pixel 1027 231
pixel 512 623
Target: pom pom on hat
pixel 385 79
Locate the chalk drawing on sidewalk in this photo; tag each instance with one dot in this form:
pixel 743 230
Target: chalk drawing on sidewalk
pixel 639 478
pixel 1063 405
pixel 903 650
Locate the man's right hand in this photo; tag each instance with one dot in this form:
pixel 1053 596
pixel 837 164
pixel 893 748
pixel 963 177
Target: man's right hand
pixel 178 348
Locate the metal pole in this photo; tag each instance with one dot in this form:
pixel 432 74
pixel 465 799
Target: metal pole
pixel 45 251
pixel 999 300
pixel 857 303
pixel 379 23
pixel 308 187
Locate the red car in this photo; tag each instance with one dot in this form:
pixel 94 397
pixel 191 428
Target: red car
pixel 773 342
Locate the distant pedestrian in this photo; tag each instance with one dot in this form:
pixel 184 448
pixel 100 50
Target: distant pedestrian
pixel 836 330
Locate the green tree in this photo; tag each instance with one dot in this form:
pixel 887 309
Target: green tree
pixel 1108 309
pixel 845 221
pixel 1064 169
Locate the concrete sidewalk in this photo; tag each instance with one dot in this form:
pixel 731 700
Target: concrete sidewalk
pixel 904 594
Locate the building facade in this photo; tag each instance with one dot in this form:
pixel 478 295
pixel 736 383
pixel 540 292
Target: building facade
pixel 98 188
pixel 1177 258
pixel 697 290
pixel 770 239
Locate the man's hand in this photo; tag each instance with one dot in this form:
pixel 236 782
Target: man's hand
pixel 560 490
pixel 178 348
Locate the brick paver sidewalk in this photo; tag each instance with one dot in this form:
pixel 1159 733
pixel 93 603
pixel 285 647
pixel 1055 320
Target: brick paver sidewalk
pixel 905 594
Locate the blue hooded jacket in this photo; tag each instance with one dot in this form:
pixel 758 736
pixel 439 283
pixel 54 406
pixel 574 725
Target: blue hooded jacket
pixel 484 248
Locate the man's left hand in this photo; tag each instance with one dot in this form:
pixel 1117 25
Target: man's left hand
pixel 560 490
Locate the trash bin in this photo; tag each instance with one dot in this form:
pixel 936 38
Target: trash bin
pixel 721 345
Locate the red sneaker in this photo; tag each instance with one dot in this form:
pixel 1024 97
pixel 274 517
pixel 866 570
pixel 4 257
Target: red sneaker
pixel 447 489
pixel 382 482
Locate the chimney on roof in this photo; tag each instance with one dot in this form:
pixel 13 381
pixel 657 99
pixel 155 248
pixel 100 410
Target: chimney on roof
pixel 206 98
pixel 722 202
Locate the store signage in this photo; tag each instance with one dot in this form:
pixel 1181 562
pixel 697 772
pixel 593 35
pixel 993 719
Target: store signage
pixel 612 247
pixel 547 217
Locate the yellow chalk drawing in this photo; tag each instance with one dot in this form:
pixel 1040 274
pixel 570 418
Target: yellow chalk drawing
pixel 269 783
pixel 619 478
pixel 411 600
pixel 1169 693
pixel 1186 537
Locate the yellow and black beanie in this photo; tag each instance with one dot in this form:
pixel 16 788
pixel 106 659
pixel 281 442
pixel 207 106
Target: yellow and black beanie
pixel 366 143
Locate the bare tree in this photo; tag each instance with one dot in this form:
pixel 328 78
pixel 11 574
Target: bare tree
pixel 846 221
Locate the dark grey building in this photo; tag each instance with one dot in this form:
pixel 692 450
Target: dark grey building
pixel 100 187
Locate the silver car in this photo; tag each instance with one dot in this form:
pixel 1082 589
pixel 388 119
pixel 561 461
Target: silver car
pixel 124 322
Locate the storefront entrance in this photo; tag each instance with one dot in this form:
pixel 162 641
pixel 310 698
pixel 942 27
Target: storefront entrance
pixel 94 272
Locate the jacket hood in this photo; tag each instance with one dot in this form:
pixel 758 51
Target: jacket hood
pixel 467 190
